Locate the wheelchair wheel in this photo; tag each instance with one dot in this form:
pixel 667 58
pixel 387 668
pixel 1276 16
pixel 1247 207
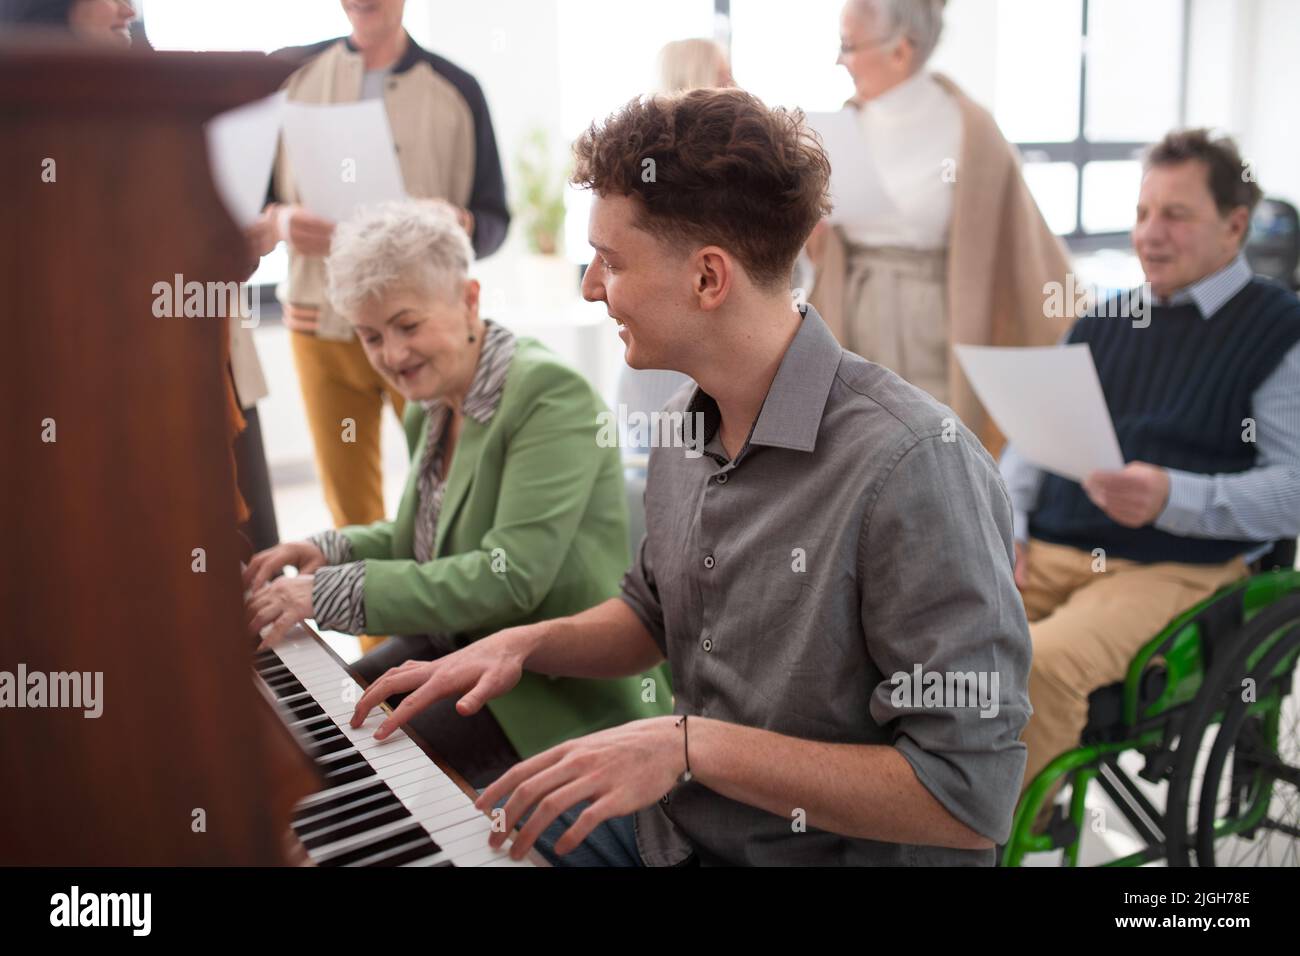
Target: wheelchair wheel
pixel 1250 795
pixel 1232 798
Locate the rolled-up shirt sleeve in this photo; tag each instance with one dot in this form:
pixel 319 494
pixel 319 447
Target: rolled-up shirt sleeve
pixel 946 628
pixel 641 594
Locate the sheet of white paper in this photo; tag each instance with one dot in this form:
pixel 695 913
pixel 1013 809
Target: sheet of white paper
pixel 342 156
pixel 241 150
pixel 1049 403
pixel 857 193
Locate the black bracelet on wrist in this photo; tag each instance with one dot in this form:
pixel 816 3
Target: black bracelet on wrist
pixel 685 748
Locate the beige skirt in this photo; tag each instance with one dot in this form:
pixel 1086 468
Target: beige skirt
pixel 896 312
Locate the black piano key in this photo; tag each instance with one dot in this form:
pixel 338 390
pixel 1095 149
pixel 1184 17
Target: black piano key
pixel 348 773
pixel 310 823
pixel 283 686
pixel 316 725
pixel 304 709
pixel 328 745
pixel 390 842
pixel 354 825
pixel 418 849
pixel 333 803
pixel 326 761
pixel 319 731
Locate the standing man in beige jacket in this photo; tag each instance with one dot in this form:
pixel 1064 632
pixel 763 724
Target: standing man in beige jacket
pixel 447 150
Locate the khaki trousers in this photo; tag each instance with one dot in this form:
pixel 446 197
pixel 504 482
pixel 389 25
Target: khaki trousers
pixel 1087 625
pixel 896 312
pixel 338 383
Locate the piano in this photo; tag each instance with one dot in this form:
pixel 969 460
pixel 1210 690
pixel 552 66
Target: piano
pixel 120 512
pixel 382 803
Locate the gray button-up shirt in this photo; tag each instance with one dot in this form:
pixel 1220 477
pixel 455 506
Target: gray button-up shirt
pixel 846 578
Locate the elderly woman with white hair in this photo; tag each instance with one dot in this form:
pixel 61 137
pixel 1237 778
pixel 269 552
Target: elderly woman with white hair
pixel 693 64
pixel 957 252
pixel 513 511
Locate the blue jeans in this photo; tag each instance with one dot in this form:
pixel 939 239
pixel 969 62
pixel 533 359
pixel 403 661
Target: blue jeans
pixel 612 843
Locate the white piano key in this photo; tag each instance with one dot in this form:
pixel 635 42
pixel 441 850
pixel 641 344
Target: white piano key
pixel 429 771
pixel 437 805
pixel 443 821
pixel 341 790
pixel 428 788
pixel 483 855
pixel 477 825
pixel 411 761
pixel 382 758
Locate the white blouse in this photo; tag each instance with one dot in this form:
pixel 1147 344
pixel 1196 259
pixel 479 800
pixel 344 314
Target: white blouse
pixel 914 136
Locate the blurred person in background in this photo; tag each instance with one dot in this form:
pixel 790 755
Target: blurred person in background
pixel 100 21
pixel 961 253
pixel 446 150
pixel 693 64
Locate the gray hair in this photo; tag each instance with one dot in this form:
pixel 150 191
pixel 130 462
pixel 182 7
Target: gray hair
pixel 409 244
pixel 920 21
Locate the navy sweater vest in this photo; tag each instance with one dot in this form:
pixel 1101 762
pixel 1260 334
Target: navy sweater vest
pixel 1178 391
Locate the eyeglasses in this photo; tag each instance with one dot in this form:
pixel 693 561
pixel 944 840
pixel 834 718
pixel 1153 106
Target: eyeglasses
pixel 848 50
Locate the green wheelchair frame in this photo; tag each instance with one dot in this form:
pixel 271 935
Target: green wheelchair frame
pixel 1184 682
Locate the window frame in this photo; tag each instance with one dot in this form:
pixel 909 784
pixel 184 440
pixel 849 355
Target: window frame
pixel 1081 151
pixel 1078 152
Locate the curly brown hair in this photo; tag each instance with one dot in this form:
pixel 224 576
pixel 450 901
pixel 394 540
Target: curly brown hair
pixel 713 167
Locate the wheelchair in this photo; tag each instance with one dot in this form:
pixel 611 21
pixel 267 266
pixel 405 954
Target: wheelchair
pixel 1207 704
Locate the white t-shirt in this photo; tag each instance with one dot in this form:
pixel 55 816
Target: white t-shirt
pixel 914 135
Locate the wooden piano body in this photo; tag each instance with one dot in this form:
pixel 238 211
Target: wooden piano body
pixel 118 521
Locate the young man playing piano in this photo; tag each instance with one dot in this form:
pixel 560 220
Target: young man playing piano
pixel 839 536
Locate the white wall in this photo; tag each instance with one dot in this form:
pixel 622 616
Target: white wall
pixel 510 47
pixel 1269 107
pixel 968 50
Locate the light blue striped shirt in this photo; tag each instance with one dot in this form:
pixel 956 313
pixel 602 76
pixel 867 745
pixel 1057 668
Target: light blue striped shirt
pixel 1261 504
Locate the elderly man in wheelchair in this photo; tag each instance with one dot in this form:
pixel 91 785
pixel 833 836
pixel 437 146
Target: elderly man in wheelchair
pixel 1149 632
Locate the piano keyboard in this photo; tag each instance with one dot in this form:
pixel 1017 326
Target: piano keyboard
pixel 384 803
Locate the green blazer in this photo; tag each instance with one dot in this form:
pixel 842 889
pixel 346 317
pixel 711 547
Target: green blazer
pixel 533 526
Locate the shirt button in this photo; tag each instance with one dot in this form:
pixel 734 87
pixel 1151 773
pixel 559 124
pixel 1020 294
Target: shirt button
pixel 709 562
pixel 707 644
pixel 722 478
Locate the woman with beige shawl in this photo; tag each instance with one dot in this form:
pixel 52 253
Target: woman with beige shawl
pixel 959 252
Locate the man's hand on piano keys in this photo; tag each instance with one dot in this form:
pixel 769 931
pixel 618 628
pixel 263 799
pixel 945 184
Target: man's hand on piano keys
pixel 279 607
pixel 619 771
pixel 480 672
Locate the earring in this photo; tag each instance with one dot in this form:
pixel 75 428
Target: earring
pixel 471 337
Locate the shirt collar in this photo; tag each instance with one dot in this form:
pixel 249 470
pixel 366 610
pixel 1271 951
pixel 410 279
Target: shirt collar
pixel 1214 291
pixel 407 60
pixel 905 100
pixel 489 376
pixel 791 415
